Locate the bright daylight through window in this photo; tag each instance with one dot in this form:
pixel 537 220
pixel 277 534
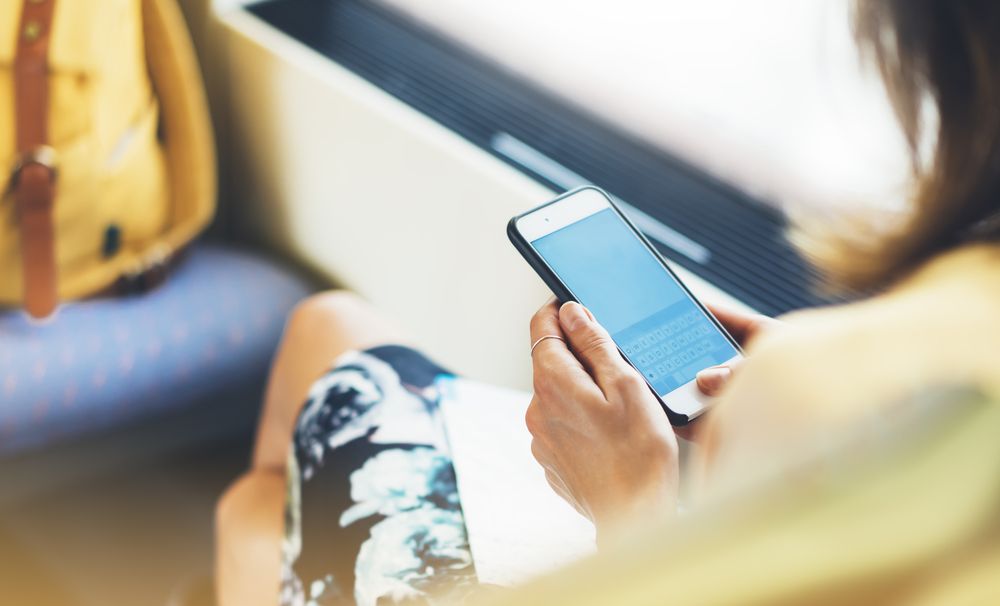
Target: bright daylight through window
pixel 768 95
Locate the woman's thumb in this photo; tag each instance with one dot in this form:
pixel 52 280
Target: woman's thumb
pixel 712 380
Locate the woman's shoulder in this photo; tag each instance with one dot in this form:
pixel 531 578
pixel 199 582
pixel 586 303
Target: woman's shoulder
pixel 939 326
pixel 830 369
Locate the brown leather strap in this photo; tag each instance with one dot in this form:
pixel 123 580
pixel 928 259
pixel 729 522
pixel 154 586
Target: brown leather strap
pixel 34 179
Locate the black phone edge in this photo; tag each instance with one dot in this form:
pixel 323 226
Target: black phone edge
pixel 563 295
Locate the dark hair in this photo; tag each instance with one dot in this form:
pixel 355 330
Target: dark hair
pixel 940 61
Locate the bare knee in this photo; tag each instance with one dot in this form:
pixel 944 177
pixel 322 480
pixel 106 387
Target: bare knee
pixel 342 319
pixel 328 304
pixel 248 527
pixel 229 508
pixel 321 311
pixel 319 330
pixel 248 520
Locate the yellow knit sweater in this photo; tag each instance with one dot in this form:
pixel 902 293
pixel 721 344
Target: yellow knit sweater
pixel 856 460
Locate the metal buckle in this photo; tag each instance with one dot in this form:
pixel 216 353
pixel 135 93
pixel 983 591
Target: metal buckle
pixel 42 155
pixel 147 272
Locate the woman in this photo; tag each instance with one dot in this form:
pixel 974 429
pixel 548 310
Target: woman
pixel 373 513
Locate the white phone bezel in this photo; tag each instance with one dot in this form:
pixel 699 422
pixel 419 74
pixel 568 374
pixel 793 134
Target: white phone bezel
pixel 561 213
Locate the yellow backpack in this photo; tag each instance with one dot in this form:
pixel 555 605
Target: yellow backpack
pixel 105 130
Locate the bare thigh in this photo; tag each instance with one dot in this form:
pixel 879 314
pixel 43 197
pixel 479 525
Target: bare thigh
pixel 249 516
pixel 319 330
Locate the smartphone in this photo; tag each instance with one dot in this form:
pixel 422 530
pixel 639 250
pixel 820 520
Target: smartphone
pixel 586 250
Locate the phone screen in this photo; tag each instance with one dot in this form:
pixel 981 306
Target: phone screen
pixel 654 321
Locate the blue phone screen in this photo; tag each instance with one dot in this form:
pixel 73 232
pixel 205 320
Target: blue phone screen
pixel 649 315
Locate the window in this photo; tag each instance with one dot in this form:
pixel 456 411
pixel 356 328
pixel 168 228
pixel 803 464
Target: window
pixel 769 95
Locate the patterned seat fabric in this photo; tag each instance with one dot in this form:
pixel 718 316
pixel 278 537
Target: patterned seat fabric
pixel 209 329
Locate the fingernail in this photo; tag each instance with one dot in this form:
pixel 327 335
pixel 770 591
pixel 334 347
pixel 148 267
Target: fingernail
pixel 574 315
pixel 712 379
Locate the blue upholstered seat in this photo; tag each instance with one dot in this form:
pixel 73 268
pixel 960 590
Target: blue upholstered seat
pixel 210 329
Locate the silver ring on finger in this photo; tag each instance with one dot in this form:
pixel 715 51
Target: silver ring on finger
pixel 540 339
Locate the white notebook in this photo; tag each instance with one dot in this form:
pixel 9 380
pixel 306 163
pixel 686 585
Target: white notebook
pixel 518 527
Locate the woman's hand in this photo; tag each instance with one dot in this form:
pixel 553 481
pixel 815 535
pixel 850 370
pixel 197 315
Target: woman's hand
pixel 744 327
pixel 599 432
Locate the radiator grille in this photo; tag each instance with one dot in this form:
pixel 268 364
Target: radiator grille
pixel 749 255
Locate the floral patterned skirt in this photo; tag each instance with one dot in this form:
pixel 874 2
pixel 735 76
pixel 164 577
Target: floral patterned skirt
pixel 373 515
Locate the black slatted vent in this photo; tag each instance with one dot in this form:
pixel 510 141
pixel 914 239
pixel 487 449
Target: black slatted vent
pixel 709 227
